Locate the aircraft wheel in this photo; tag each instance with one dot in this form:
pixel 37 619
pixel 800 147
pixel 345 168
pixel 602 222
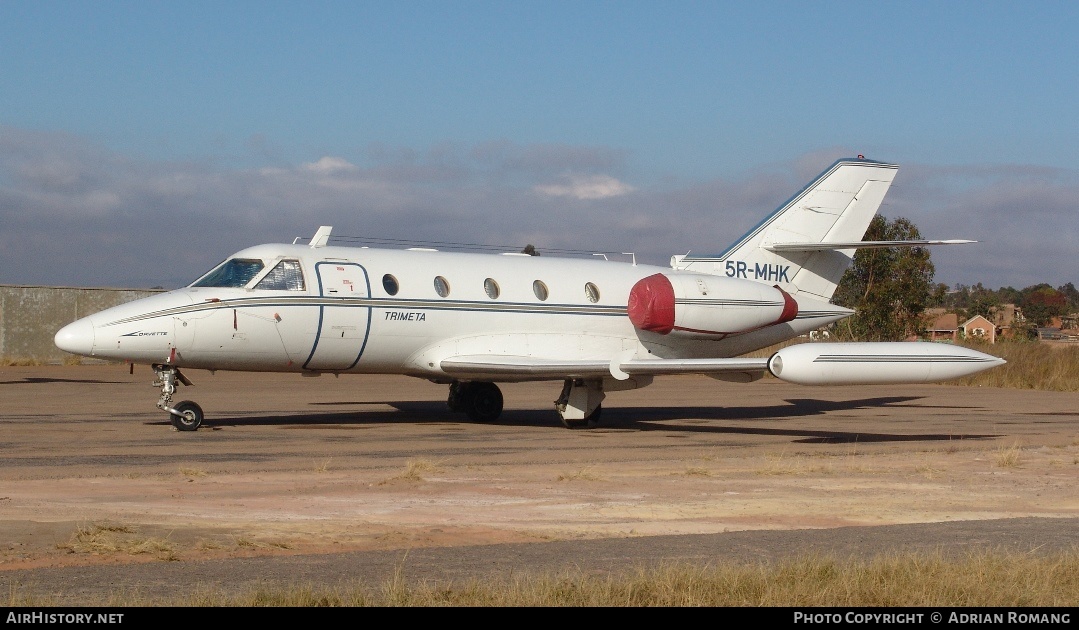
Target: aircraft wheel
pixel 589 422
pixel 486 402
pixel 188 416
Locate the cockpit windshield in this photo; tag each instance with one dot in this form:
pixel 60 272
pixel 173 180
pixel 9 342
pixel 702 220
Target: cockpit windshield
pixel 286 276
pixel 236 272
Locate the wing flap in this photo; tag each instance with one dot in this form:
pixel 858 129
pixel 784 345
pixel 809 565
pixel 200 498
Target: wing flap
pixel 694 366
pixel 522 366
pixel 517 367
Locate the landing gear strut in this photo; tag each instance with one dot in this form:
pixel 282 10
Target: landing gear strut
pixel 580 403
pixel 482 401
pixel 186 415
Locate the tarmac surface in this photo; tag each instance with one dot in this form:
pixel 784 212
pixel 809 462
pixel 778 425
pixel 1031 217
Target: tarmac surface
pixel 362 479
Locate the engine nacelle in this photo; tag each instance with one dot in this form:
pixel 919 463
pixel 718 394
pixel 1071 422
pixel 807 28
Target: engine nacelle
pixel 706 306
pixel 876 363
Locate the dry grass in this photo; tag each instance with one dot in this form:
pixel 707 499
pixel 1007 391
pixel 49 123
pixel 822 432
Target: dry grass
pixel 1009 456
pixel 980 579
pixel 783 464
pixel 20 362
pixel 192 473
pixel 584 474
pixel 247 543
pixel 1030 365
pixel 109 538
pixel 927 469
pixel 414 469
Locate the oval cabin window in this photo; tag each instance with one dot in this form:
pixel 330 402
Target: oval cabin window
pixel 442 287
pixel 491 287
pixel 540 290
pixel 390 284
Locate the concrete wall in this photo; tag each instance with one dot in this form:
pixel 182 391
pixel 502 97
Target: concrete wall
pixel 30 317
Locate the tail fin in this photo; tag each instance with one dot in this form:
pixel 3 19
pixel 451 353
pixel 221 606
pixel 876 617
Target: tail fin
pixel 807 244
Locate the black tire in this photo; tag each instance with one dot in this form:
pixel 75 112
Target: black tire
pixel 188 416
pixel 484 402
pixel 589 422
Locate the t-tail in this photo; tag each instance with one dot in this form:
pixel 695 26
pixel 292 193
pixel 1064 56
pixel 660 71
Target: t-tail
pixel 807 244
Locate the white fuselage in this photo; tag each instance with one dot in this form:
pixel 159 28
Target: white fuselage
pixel 380 311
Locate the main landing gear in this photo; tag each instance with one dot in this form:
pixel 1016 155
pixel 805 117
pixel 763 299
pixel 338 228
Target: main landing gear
pixel 482 401
pixel 579 405
pixel 186 415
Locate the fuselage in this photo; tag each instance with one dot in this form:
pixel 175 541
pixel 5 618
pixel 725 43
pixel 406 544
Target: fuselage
pixel 296 308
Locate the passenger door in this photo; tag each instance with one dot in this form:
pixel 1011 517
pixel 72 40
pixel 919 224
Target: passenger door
pixel 344 316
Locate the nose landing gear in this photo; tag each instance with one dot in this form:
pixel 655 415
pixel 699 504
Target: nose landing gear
pixel 186 415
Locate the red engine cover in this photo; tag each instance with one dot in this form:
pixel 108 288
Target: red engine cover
pixel 651 304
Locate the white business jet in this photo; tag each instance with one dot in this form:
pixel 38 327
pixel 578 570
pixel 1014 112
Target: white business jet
pixel 472 320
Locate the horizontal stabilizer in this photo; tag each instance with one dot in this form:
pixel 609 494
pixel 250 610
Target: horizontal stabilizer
pixel 820 247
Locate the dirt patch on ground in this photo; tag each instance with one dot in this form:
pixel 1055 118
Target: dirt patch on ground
pixel 91 473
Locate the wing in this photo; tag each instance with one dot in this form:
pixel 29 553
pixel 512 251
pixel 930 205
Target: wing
pixel 525 368
pixel 805 364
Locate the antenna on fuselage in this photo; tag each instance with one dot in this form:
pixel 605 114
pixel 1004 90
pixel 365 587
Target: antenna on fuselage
pixel 322 236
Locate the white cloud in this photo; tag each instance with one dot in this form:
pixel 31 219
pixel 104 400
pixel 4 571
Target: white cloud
pixel 328 164
pixel 75 213
pixel 586 187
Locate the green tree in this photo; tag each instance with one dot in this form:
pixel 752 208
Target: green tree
pixel 888 287
pixel 981 302
pixel 1009 295
pixel 959 298
pixel 938 295
pixel 1072 294
pixel 530 249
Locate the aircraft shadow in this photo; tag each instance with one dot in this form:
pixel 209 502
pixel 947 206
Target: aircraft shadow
pixel 616 418
pixel 37 380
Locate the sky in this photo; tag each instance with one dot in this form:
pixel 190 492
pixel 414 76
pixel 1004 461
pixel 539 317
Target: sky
pixel 143 142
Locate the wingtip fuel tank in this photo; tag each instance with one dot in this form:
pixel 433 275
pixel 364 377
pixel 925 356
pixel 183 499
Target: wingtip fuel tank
pixel 877 363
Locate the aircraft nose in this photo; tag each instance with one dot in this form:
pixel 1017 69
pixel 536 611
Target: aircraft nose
pixel 77 337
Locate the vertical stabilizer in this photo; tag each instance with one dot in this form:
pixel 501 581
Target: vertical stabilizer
pixel 837 207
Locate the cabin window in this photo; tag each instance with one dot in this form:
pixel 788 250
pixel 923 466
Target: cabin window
pixel 442 286
pixel 591 292
pixel 491 287
pixel 286 276
pixel 390 284
pixel 236 272
pixel 540 290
